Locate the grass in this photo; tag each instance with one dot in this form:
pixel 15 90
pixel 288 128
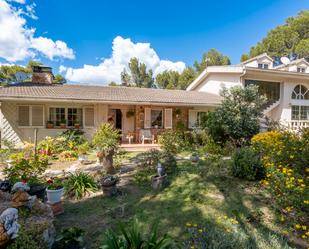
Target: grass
pixel 203 194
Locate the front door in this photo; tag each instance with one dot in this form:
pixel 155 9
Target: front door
pixel 118 121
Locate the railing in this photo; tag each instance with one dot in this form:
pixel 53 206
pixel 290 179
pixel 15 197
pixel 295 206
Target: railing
pixel 296 124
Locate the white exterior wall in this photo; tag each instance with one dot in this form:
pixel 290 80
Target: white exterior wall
pixel 215 82
pixel 255 63
pixel 12 132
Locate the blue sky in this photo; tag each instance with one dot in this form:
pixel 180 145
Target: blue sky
pixel 178 31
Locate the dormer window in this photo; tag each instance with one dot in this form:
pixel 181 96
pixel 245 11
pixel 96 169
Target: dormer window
pixel 301 69
pixel 263 65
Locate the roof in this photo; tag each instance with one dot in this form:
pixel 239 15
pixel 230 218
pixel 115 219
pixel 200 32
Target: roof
pixel 257 57
pixel 91 93
pixel 294 62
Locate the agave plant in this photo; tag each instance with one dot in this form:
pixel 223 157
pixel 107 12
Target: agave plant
pixel 79 184
pixel 132 237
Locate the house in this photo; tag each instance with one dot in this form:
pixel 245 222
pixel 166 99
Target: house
pixel 46 109
pixel 286 86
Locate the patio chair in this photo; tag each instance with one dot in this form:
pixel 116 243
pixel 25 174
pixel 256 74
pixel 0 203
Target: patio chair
pixel 146 135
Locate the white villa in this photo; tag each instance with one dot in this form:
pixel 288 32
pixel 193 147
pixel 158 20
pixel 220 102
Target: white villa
pixel 45 109
pixel 286 86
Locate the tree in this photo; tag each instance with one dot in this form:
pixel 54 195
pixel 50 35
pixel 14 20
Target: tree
pixel 139 75
pixel 168 79
pixel 237 118
pixel 186 78
pixel 8 73
pixel 59 79
pixel 106 140
pixel 289 38
pixel 211 58
pixel 125 78
pixel 113 83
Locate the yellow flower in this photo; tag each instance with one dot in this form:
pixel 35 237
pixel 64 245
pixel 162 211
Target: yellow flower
pixel 304 227
pixel 285 232
pixel 307 233
pixel 188 224
pixel 300 180
pixel 304 236
pixel 297 226
pixel 195 225
pixel 306 201
pixel 302 185
pixel 225 217
pixel 192 247
pixel 200 230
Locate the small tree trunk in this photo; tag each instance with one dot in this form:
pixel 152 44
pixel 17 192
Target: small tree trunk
pixel 108 163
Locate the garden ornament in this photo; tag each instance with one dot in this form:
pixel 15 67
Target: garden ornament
pixel 21 197
pixel 160 169
pixel 8 225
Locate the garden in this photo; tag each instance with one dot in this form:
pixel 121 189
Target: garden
pixel 225 185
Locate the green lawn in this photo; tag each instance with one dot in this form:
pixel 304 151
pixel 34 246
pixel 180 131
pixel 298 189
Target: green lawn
pixel 204 194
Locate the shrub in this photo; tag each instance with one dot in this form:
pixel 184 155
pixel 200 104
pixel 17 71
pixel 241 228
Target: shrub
pixel 79 184
pixel 71 237
pixel 149 159
pixel 134 237
pixel 83 148
pixel 170 141
pixel 29 238
pixel 237 118
pixel 68 155
pixel 285 156
pixel 168 160
pixel 246 164
pixel 26 168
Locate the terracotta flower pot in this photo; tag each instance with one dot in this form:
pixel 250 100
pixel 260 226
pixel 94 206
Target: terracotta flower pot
pixel 62 126
pixel 50 126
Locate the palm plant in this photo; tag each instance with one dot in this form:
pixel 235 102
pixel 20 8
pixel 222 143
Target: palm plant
pixel 79 184
pixel 106 139
pixel 133 238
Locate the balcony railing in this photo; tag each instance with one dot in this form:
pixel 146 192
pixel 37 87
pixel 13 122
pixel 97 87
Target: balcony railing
pixel 296 124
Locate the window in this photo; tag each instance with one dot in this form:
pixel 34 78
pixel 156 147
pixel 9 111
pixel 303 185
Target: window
pixel 89 117
pixel 156 118
pixel 74 116
pixel 263 66
pixel 200 117
pixel 301 70
pixel 30 116
pixel 69 116
pixel 300 112
pixel 57 115
pixel 300 92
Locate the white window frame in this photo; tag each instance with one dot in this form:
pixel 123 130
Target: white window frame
pixel 30 118
pixel 84 116
pixel 66 115
pixel 301 69
pixel 264 65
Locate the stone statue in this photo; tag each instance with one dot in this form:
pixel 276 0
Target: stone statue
pixel 21 197
pixel 8 225
pixel 160 170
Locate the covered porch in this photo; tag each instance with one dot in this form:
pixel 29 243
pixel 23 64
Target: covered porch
pixel 141 125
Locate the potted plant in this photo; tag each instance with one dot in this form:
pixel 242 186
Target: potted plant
pixel 130 113
pixel 76 125
pixel 106 139
pixel 63 123
pixel 108 184
pixel 54 190
pixel 50 124
pixel 82 152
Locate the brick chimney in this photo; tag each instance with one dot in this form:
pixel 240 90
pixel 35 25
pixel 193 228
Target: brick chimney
pixel 42 74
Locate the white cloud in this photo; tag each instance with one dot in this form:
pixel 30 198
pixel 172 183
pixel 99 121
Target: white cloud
pixel 122 51
pixel 18 1
pixel 52 49
pixel 17 41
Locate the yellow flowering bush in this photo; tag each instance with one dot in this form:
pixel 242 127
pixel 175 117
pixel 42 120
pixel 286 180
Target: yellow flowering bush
pixel 285 156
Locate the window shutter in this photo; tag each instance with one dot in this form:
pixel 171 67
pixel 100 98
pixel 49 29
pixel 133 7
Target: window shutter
pixel 89 117
pixel 24 115
pixel 168 118
pixel 147 121
pixel 192 118
pixel 37 116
